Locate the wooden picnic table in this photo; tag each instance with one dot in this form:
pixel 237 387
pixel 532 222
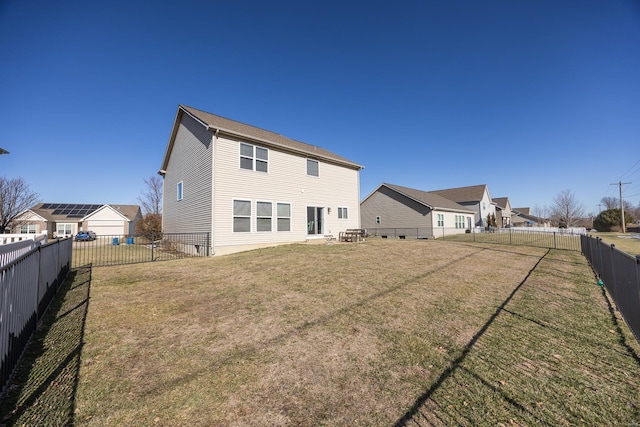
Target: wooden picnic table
pixel 352 235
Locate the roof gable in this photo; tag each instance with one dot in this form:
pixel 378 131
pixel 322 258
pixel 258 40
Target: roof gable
pixel 429 199
pixel 502 202
pixel 30 215
pixel 107 212
pixel 222 125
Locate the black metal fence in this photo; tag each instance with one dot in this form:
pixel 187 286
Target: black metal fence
pixel 131 249
pixel 620 275
pixel 30 275
pixel 505 236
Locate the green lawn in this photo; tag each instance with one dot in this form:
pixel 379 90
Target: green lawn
pixel 383 333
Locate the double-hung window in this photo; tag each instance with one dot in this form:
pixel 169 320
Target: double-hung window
pixel 459 221
pixel 241 216
pixel 343 213
pixel 263 216
pixel 253 157
pixel 284 216
pixel 313 167
pixel 28 229
pixel 440 220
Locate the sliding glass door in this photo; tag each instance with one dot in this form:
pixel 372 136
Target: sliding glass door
pixel 315 220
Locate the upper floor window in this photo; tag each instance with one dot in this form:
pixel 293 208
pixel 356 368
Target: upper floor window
pixel 312 167
pixel 179 191
pixel 342 213
pixel 253 157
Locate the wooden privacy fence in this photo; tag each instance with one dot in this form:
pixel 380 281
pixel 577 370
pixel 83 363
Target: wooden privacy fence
pixel 30 275
pixel 619 273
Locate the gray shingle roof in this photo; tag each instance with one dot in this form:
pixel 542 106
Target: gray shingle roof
pixel 233 127
pixel 473 193
pixel 430 199
pixel 500 201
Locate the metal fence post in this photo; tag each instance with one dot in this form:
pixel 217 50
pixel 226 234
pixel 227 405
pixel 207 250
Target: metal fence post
pixel 153 243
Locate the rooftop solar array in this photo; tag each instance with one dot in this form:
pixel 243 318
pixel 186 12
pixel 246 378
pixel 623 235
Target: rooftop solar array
pixel 71 210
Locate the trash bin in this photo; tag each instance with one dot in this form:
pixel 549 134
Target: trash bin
pixel 129 240
pixel 115 241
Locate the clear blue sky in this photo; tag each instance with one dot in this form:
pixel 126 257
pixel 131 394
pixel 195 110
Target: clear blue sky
pixel 530 97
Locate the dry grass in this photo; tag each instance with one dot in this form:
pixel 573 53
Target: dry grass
pixel 626 242
pixel 380 333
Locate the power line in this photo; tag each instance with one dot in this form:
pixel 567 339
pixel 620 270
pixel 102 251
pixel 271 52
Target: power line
pixel 625 174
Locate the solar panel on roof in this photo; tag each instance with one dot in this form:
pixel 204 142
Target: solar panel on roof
pixel 46 205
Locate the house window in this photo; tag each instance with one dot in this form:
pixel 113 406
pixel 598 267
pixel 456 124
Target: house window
pixel 64 229
pixel 179 191
pixel 459 221
pixel 342 213
pixel 440 220
pixel 378 219
pixel 284 216
pixel 263 216
pixel 241 216
pixel 253 157
pixel 312 167
pixel 28 229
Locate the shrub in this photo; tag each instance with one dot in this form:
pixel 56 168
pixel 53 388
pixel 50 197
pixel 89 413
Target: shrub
pixel 149 226
pixel 611 220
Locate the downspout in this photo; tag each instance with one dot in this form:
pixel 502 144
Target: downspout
pixel 213 190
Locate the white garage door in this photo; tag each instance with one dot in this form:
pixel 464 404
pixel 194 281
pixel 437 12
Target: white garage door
pixel 106 228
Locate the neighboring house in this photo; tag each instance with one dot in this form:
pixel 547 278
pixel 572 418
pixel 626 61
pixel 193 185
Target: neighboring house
pixel 395 211
pixel 66 219
pixel 521 217
pixel 476 198
pixel 503 211
pixel 250 188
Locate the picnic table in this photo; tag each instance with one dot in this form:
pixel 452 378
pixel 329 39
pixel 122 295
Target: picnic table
pixel 352 235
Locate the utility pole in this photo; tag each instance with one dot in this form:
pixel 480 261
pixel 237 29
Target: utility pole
pixel 599 207
pixel 620 184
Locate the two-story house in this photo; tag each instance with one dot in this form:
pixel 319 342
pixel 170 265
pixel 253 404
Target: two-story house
pixel 476 198
pixel 251 188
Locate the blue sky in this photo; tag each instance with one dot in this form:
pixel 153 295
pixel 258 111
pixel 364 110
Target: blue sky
pixel 531 97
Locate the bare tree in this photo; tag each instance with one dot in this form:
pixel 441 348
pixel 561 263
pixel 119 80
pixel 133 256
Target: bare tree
pixel 566 210
pixel 610 202
pixel 614 203
pixel 151 198
pixel 15 198
pixel 541 212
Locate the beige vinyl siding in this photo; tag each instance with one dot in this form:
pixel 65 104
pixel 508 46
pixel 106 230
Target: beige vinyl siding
pixel 395 211
pixel 450 223
pixel 286 182
pixel 190 163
